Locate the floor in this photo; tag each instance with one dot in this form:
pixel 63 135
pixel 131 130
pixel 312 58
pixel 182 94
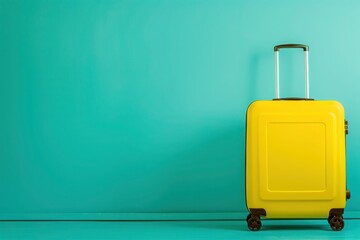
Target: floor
pixel 272 229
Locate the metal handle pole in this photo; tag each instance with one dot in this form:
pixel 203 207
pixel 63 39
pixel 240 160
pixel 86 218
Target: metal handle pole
pixel 277 87
pixel 306 63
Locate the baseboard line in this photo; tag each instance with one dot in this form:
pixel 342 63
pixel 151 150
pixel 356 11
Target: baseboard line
pixel 136 216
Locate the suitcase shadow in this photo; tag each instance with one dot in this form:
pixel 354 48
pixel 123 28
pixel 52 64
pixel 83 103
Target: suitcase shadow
pixel 304 227
pixel 240 225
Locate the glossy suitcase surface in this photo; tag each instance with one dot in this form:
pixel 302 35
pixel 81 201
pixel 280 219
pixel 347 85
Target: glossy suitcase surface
pixel 295 158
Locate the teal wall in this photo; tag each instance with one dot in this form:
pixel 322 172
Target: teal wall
pixel 136 109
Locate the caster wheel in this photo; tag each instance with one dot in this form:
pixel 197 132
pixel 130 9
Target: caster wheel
pixel 247 218
pixel 336 223
pixel 254 222
pixel 329 218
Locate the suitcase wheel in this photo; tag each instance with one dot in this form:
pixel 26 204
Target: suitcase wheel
pixel 336 222
pixel 254 222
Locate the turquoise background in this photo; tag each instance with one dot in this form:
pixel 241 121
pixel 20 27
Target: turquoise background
pixel 136 109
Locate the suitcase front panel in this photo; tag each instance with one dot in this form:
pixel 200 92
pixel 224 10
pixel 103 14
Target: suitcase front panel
pixel 295 157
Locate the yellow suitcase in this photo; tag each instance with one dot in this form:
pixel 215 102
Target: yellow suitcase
pixel 295 157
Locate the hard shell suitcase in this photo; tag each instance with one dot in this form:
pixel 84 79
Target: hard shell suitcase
pixel 295 157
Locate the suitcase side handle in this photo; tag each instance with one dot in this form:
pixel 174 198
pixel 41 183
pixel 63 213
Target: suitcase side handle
pixel 306 63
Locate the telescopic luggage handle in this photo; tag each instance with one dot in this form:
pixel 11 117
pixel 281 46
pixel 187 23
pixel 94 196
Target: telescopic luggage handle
pixel 306 61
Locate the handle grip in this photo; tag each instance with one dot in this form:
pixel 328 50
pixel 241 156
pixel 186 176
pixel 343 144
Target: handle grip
pixel 304 47
pixel 306 63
